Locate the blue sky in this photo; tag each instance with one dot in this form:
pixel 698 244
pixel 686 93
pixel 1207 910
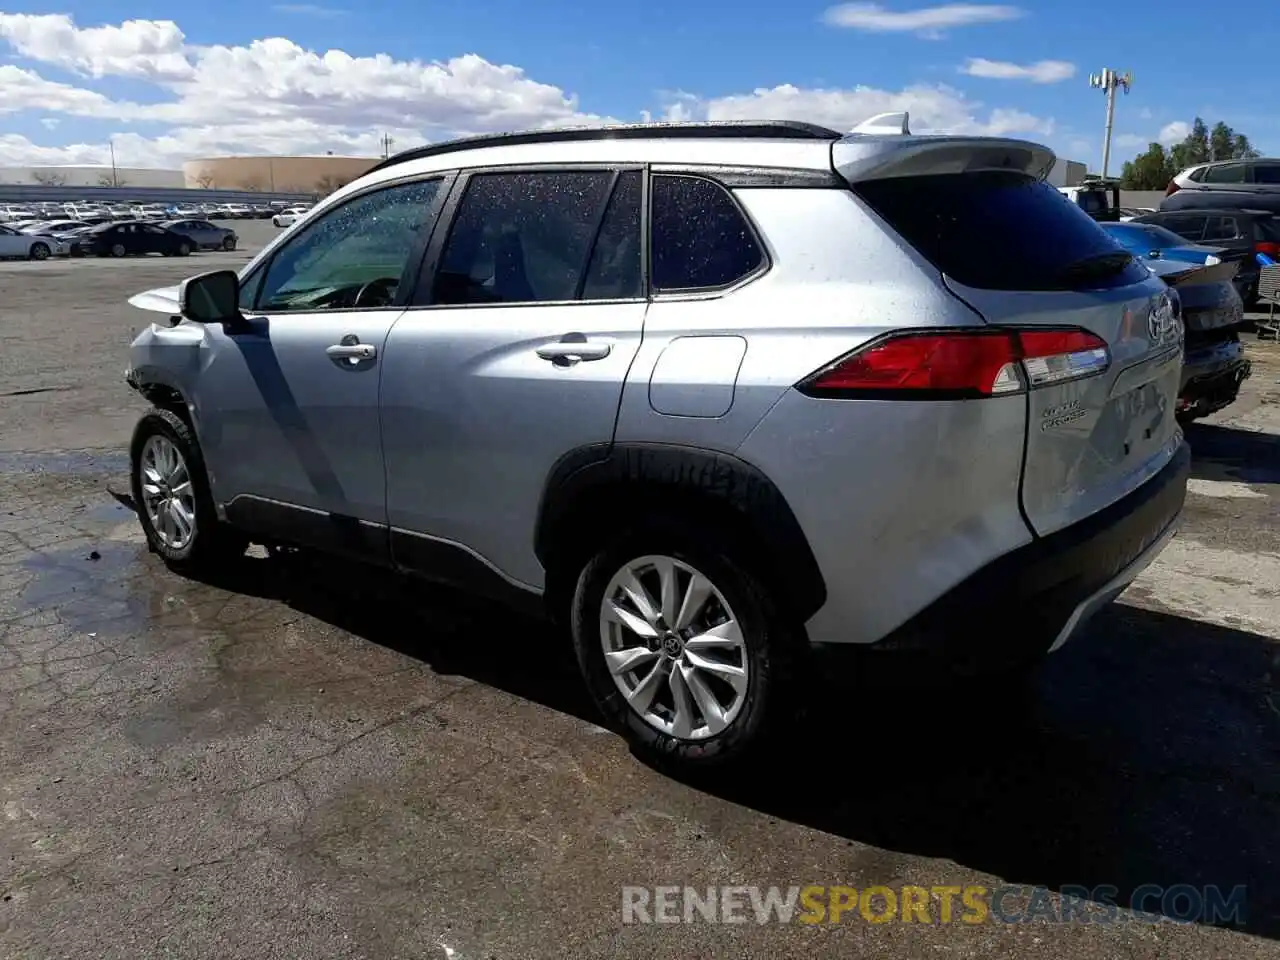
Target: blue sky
pixel 166 82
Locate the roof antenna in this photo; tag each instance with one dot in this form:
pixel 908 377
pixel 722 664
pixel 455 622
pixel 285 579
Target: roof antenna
pixel 885 123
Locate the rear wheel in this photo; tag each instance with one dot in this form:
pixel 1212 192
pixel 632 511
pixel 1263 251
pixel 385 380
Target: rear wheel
pixel 171 491
pixel 39 251
pixel 184 249
pixel 681 646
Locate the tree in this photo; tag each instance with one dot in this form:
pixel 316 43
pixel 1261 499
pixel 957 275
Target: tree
pixel 205 181
pixel 329 183
pixel 252 184
pixel 1148 171
pixel 49 178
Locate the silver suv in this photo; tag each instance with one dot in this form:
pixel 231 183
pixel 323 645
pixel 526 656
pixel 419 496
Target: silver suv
pixel 722 398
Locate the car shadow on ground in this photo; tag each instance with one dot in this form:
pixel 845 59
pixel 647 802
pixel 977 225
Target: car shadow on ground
pixel 1222 452
pixel 1146 752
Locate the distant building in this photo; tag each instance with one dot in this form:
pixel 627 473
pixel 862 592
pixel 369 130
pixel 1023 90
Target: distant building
pixel 275 174
pixel 91 176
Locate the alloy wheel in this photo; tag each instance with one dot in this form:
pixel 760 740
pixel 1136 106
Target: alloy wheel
pixel 168 496
pixel 674 647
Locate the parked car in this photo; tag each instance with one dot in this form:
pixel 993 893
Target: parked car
pixel 133 238
pixel 1099 198
pixel 205 235
pixel 715 445
pixel 14 243
pixel 54 227
pixel 1253 184
pixel 289 216
pixel 1214 364
pixel 1240 233
pixel 1153 242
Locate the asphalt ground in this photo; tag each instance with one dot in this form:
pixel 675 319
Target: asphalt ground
pixel 302 759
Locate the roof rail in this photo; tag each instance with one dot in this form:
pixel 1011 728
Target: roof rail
pixel 753 129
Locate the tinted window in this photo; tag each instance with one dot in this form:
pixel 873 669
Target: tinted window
pixel 700 237
pixel 614 270
pixel 1225 173
pixel 1189 227
pixel 352 256
pixel 1267 229
pixel 1001 231
pixel 1266 173
pixel 1220 228
pixel 521 237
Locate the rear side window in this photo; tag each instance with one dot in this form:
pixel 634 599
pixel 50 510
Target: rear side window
pixel 1001 231
pixel 1226 173
pixel 701 239
pixel 1188 227
pixel 1266 173
pixel 1267 229
pixel 522 237
pixel 1221 228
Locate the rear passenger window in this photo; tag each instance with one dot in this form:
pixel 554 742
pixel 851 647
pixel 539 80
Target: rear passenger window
pixel 523 238
pixel 1001 231
pixel 614 272
pixel 1221 228
pixel 1266 173
pixel 1226 173
pixel 701 239
pixel 1188 227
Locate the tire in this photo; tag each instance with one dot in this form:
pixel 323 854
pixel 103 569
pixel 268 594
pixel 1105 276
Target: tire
pixel 118 250
pixel 39 251
pixel 210 542
pixel 184 249
pixel 229 244
pixel 768 651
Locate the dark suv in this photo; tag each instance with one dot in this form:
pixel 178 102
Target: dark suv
pixel 1242 234
pixel 1226 183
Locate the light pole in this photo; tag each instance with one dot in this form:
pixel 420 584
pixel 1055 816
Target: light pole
pixel 1109 81
pixel 115 181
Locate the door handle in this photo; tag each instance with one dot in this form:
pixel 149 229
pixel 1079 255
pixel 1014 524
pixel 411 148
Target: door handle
pixel 573 347
pixel 352 351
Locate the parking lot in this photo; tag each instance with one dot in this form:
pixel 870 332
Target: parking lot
pixel 305 760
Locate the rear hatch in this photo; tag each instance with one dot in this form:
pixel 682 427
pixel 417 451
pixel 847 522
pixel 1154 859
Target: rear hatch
pixel 1100 421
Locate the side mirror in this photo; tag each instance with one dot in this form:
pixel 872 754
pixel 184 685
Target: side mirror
pixel 211 297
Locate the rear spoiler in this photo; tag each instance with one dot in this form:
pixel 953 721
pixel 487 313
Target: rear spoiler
pixel 1211 273
pixel 884 147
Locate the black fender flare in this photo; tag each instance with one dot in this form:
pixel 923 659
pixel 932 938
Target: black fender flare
pixel 626 469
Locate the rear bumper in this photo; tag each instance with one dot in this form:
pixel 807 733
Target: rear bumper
pixel 1211 377
pixel 1032 600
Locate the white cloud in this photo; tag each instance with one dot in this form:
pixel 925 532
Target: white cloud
pixel 933 109
pixel 929 21
pixel 1174 132
pixel 148 49
pixel 1043 71
pixel 274 96
pixel 270 95
pixel 1131 140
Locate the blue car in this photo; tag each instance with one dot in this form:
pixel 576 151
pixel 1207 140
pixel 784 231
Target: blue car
pixel 1152 242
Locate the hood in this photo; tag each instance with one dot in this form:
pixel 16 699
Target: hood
pixel 160 300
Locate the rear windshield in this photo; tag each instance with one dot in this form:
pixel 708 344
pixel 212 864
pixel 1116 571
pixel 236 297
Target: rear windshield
pixel 1001 231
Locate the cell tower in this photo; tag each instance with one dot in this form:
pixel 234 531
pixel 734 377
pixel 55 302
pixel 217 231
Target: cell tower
pixel 1110 81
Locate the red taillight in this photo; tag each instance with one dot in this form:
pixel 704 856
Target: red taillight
pixel 961 364
pixel 1267 247
pixel 1172 188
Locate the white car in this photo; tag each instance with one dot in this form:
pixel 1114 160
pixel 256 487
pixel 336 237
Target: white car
pixel 289 216
pixel 16 244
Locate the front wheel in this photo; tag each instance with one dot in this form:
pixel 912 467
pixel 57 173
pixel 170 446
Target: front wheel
pixel 171 491
pixel 682 647
pixel 39 251
pixel 229 244
pixel 117 250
